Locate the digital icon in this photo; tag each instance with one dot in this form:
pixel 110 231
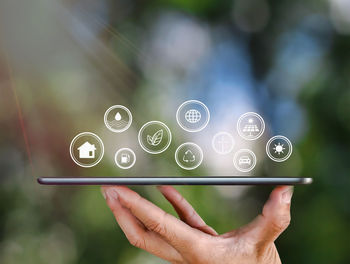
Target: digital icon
pixel 193 116
pixel 279 148
pixel 244 160
pixel 250 126
pixel 125 158
pixel 118 118
pixel 223 143
pixel 154 137
pixel 86 149
pixel 189 156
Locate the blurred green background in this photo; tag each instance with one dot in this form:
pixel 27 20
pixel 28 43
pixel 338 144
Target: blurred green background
pixel 63 63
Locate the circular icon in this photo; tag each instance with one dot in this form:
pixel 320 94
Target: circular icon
pixel 193 116
pixel 189 156
pixel 154 137
pixel 86 149
pixel 279 148
pixel 125 158
pixel 244 160
pixel 223 143
pixel 250 126
pixel 118 118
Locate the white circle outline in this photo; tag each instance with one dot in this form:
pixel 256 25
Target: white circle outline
pixel 114 107
pixel 268 148
pixel 262 125
pixel 235 162
pixel 219 134
pixel 151 123
pixel 123 167
pixel 192 144
pixel 206 109
pixel 86 134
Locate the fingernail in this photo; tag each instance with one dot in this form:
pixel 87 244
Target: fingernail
pixel 111 194
pixel 287 195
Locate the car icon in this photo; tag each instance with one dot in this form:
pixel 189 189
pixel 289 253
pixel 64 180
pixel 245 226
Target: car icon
pixel 244 160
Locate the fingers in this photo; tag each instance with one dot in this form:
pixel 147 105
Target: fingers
pixel 185 210
pixel 136 232
pixel 275 217
pixel 178 234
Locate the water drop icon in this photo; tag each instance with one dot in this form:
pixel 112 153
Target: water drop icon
pixel 118 117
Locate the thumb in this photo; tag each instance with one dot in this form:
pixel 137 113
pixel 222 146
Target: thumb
pixel 275 217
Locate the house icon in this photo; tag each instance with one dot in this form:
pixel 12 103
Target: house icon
pixel 87 151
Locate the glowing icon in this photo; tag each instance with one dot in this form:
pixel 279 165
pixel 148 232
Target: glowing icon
pixel 156 138
pixel 193 116
pixel 118 118
pixel 250 126
pixel 117 122
pixel 223 143
pixel 244 160
pixel 189 156
pixel 279 148
pixel 87 151
pixel 125 158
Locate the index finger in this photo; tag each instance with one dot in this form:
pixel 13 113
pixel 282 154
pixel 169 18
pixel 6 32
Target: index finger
pixel 185 210
pixel 178 234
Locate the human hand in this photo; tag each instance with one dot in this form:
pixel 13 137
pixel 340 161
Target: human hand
pixel 190 240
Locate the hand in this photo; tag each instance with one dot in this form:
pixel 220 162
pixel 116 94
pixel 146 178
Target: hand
pixel 190 240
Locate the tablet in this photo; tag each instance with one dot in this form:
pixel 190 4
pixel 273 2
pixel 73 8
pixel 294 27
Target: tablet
pixel 176 181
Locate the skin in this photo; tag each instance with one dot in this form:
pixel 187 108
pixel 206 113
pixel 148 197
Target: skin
pixel 189 240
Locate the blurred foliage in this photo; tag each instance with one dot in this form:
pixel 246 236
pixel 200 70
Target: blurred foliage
pixel 298 60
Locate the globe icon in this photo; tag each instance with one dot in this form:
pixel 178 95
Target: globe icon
pixel 193 116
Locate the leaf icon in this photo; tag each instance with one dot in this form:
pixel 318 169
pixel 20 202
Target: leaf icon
pixel 156 138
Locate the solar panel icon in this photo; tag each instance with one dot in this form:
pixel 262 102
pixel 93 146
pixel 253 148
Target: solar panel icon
pixel 250 129
pixel 250 126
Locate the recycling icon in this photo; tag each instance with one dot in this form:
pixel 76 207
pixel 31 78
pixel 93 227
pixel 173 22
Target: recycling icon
pixel 189 156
